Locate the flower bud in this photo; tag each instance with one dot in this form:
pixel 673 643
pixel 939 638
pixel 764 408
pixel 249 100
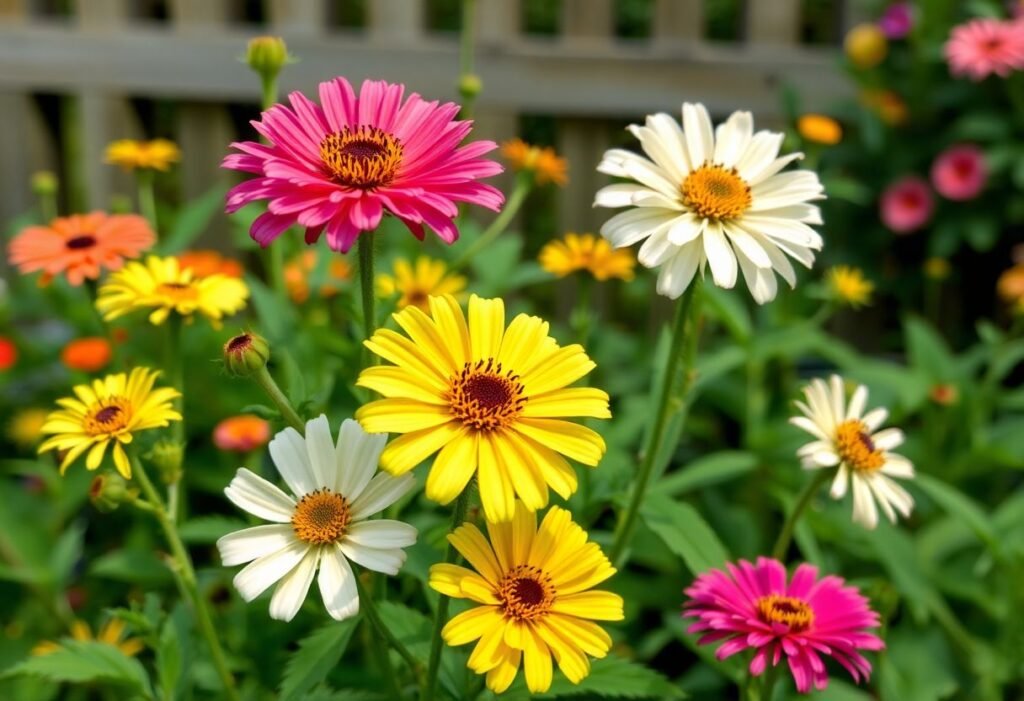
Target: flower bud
pixel 267 56
pixel 44 183
pixel 470 85
pixel 245 354
pixel 108 491
pixel 167 457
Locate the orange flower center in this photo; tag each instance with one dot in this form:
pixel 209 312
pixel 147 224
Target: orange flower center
pixel 525 593
pixel 788 610
pixel 321 517
pixel 76 243
pixel 716 192
pixel 855 447
pixel 365 157
pixel 109 416
pixel 178 291
pixel 484 398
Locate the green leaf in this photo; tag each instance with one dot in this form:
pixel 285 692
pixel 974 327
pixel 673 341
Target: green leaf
pixel 204 530
pixel 707 471
pixel 928 351
pixel 684 531
pixel 318 653
pixel 193 219
pixel 958 504
pixel 135 566
pixel 79 661
pixel 615 677
pixel 729 309
pixel 169 659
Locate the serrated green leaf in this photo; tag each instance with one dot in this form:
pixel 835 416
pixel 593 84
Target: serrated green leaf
pixel 614 677
pixel 318 653
pixel 684 532
pixel 78 661
pixel 207 529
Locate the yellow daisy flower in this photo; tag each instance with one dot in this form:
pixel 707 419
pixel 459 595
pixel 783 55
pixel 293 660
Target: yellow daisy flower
pixel 418 283
pixel 849 286
pixel 534 590
pixel 111 410
pixel 492 401
pixel 546 165
pixel 162 285
pixel 110 633
pixel 587 252
pixel 131 154
pixel 23 428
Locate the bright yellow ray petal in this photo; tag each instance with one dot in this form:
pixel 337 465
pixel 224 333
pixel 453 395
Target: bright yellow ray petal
pixel 445 578
pixel 451 322
pixel 536 663
pixel 469 541
pixel 501 677
pixel 525 337
pixel 471 625
pixel 526 476
pixel 571 660
pixel 575 401
pixel 428 339
pixel 486 326
pixel 590 637
pixel 555 469
pixel 594 605
pixel 408 451
pixel 496 491
pixel 559 369
pixel 399 350
pixel 393 381
pixel 580 443
pixel 489 652
pixel 401 416
pixel 453 468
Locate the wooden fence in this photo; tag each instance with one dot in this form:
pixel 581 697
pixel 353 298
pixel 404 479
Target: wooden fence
pixel 98 60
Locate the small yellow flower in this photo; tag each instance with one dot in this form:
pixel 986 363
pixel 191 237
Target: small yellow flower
pixel 546 165
pixel 417 283
pixel 163 286
pixel 130 154
pixel 110 633
pixel 534 598
pixel 866 45
pixel 108 411
pixel 820 129
pixel 23 428
pixel 937 268
pixel 1011 287
pixel 587 252
pixel 849 286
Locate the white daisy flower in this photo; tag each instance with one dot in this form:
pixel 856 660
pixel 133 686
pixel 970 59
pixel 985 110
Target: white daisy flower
pixel 847 437
pixel 337 488
pixel 712 198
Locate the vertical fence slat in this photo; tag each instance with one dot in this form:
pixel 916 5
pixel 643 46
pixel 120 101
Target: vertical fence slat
pixel 775 22
pixel 678 20
pixel 298 17
pixel 396 20
pixel 588 20
pixel 498 24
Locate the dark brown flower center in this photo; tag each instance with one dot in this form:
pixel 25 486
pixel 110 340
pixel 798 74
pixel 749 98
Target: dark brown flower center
pixel 364 157
pixel 526 592
pixel 484 397
pixel 79 242
pixel 788 610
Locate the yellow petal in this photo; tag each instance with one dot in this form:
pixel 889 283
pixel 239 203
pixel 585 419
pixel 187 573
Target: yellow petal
pixel 471 625
pixel 572 440
pixel 453 468
pixel 489 652
pixel 590 637
pixel 525 339
pixel 513 539
pixel 575 401
pixel 424 333
pixel 594 605
pixel 451 322
pixel 408 451
pixel 556 470
pixel 479 589
pixel 501 677
pixel 529 482
pixel 559 369
pixel 587 568
pixel 95 457
pixel 401 416
pixel 445 578
pixel 121 461
pixel 469 541
pixel 393 381
pixel 486 326
pixel 496 491
pixel 571 660
pixel 536 663
pixel 398 349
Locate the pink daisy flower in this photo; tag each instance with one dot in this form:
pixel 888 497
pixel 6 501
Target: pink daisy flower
pixel 959 173
pixel 753 607
pixel 339 166
pixel 982 47
pixel 906 205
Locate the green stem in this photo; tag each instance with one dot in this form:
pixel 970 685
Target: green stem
pixel 369 609
pixel 524 183
pixel 770 677
pixel 187 573
pixel 48 207
pixel 786 534
pixel 441 616
pixel 582 314
pixel 366 287
pixel 147 197
pixel 291 417
pixel 686 315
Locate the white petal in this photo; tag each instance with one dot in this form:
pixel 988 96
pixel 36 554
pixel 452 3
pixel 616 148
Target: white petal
pixel 700 142
pixel 887 439
pixel 897 495
pixel 618 195
pixel 840 483
pixel 320 448
pixel 337 584
pixel 838 396
pixel 357 455
pixel 626 228
pixel 676 275
pixel 685 229
pixel 382 534
pixel 804 213
pixel 657 248
pixel 820 404
pixel 383 491
pixel 864 511
pixel 760 281
pixel 292 590
pixel 779 261
pixel 250 543
pixel 857 402
pixel 611 162
pixel 824 458
pixel 732 138
pixel 650 198
pixel 260 574
pixel 781 229
pixel 288 450
pixel 386 561
pixel 796 187
pixel 659 152
pixel 720 256
pixel 897 466
pixel 807 425
pixel 649 174
pixel 760 153
pixel 672 137
pixel 756 177
pixel 748 246
pixel 259 497
pixel 875 418
pixel 881 497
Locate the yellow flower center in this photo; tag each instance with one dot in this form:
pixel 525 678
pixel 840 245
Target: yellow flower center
pixel 178 291
pixel 484 398
pixel 716 192
pixel 525 593
pixel 855 447
pixel 321 517
pixel 76 243
pixel 788 610
pixel 365 157
pixel 110 415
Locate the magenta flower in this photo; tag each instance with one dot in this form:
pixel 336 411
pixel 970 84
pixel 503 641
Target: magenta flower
pixel 906 205
pixel 959 173
pixel 339 166
pixel 982 47
pixel 897 20
pixel 753 607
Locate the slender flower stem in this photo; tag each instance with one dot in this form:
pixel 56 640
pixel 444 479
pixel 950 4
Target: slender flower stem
pixel 786 534
pixel 273 255
pixel 524 183
pixel 441 617
pixel 369 609
pixel 147 197
pixel 48 207
pixel 682 350
pixel 187 575
pixel 266 381
pixel 366 286
pixel 175 368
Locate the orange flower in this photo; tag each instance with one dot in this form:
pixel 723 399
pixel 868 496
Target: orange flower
pixel 87 354
pixel 80 246
pixel 8 354
pixel 888 105
pixel 299 270
pixel 206 262
pixel 241 434
pixel 546 165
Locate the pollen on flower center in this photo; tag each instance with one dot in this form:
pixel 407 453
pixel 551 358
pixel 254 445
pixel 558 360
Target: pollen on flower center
pixel 526 592
pixel 321 517
pixel 365 157
pixel 110 416
pixel 855 447
pixel 716 192
pixel 81 241
pixel 485 398
pixel 788 610
pixel 178 291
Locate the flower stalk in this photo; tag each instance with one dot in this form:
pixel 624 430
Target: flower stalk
pixel 147 196
pixel 265 380
pixel 367 290
pixel 369 609
pixel 786 534
pixel 524 183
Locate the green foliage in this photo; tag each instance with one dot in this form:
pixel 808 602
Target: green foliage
pixel 85 661
pixel 317 655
